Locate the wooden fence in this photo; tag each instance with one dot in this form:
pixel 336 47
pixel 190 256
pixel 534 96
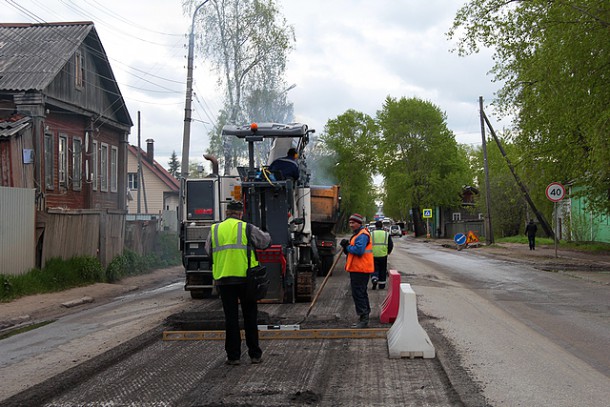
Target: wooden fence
pixel 17 242
pixel 82 233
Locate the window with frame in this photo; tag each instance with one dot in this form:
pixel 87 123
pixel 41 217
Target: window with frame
pixel 48 160
pixel 77 164
pixel 132 180
pixel 114 173
pixel 62 162
pixel 457 216
pixel 79 70
pixel 94 170
pixel 104 167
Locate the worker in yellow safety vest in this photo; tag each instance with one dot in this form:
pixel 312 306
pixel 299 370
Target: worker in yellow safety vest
pixel 228 243
pixel 382 246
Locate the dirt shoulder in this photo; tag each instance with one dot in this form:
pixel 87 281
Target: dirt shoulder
pixel 42 307
pixel 593 267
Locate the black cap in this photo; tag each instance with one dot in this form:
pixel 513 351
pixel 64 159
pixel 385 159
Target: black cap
pixel 292 152
pixel 235 206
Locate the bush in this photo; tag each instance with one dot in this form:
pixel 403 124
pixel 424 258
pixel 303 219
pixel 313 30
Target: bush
pixel 116 269
pixel 56 275
pixel 59 274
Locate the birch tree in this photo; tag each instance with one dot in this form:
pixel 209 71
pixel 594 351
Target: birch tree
pixel 247 43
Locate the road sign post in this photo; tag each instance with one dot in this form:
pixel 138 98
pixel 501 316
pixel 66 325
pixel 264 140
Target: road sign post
pixel 427 214
pixel 555 193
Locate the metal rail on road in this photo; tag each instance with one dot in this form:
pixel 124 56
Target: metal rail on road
pixel 370 333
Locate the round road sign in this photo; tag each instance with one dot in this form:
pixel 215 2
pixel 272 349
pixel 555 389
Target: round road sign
pixel 460 238
pixel 555 192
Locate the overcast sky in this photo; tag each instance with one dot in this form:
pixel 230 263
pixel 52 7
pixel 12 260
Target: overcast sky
pixel 349 54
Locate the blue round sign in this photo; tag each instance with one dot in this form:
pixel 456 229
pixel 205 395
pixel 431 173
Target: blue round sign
pixel 460 238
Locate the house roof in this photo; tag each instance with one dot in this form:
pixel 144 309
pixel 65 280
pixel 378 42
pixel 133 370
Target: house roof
pixel 32 56
pixel 13 125
pixel 160 172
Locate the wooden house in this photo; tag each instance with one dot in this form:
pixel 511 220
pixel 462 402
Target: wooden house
pixel 64 130
pixel 461 219
pixel 156 192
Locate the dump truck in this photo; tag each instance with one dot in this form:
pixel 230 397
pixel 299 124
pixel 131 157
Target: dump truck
pixel 325 215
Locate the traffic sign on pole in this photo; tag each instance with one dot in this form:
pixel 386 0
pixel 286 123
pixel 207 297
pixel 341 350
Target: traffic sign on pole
pixel 555 192
pixel 427 213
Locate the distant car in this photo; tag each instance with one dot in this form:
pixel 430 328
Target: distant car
pixel 395 230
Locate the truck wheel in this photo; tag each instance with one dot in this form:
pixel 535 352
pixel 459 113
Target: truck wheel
pixel 326 264
pixel 200 294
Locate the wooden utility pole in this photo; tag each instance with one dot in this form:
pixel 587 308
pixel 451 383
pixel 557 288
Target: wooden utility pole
pixel 489 238
pixel 547 229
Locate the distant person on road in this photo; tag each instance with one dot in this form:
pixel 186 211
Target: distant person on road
pixel 382 246
pixel 287 166
pixel 228 242
pixel 360 265
pixel 530 231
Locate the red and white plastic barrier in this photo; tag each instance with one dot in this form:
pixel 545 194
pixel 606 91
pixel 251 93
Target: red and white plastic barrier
pixel 406 338
pixel 389 307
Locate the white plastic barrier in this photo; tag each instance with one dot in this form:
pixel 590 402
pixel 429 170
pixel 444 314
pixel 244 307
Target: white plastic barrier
pixel 406 337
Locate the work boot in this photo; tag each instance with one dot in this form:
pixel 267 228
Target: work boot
pixel 363 323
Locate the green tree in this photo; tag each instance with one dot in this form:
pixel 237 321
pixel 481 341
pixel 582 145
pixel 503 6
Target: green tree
pixel 174 165
pixel 352 138
pixel 196 169
pixel 247 42
pixel 419 159
pixel 552 57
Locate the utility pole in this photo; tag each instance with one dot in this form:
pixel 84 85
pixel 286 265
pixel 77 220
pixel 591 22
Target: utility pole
pixel 547 228
pixel 139 179
pixel 186 137
pixel 489 238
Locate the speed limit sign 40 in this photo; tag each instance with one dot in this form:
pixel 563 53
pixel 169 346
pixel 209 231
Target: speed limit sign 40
pixel 555 192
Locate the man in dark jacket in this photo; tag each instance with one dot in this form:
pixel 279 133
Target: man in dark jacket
pixel 530 231
pixel 287 166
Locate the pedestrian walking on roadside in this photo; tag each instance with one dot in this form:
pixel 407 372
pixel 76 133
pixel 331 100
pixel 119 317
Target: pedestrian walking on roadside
pixel 530 231
pixel 382 247
pixel 360 265
pixel 228 242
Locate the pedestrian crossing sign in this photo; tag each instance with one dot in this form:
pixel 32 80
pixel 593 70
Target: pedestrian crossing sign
pixel 427 214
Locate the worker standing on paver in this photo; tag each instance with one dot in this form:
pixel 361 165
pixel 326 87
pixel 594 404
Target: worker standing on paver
pixel 360 265
pixel 382 246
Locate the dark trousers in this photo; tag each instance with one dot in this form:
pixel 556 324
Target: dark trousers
pixel 381 268
pixel 359 283
pixel 230 294
pixel 532 242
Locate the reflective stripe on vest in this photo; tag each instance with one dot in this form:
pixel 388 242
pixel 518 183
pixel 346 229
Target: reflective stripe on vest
pixel 364 263
pixel 380 243
pixel 230 248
